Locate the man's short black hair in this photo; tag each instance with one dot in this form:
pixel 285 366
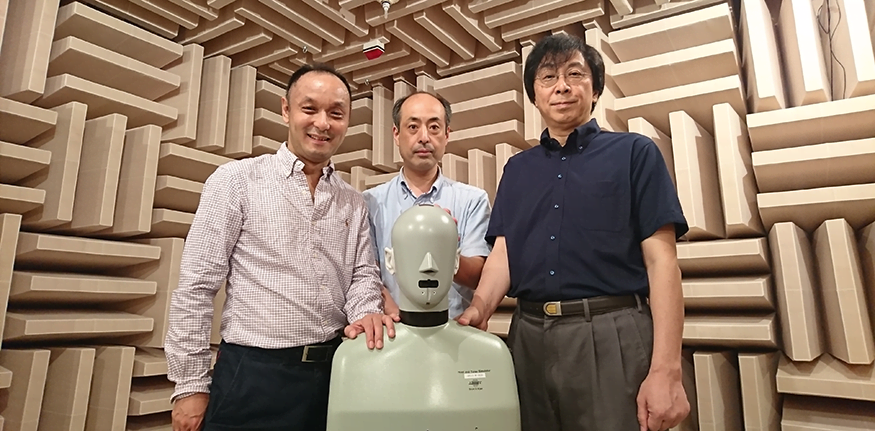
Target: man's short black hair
pixel 396 109
pixel 556 49
pixel 317 67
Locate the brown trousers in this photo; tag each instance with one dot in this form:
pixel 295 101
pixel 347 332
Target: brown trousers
pixel 579 375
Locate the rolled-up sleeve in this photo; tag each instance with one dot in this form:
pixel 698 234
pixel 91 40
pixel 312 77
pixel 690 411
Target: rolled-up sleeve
pixel 204 268
pixel 373 208
pixel 364 295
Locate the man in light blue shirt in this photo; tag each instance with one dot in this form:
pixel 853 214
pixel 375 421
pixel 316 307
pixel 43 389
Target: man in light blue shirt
pixel 421 130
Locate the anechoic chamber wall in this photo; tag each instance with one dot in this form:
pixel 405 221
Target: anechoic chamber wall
pixel 114 112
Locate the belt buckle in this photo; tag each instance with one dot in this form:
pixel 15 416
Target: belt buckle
pixel 553 308
pixel 316 353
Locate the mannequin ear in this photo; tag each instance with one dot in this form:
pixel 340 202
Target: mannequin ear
pixel 390 260
pixel 456 265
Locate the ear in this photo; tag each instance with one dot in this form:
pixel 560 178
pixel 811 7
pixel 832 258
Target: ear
pixel 390 260
pixel 285 109
pixel 456 265
pixel 395 133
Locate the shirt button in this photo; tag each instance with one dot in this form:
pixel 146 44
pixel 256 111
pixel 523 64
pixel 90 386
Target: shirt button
pixel 563 158
pixel 580 147
pixel 552 272
pixel 552 237
pixel 559 176
pixel 556 206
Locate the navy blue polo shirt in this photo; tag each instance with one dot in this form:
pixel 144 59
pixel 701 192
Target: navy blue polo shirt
pixel 573 217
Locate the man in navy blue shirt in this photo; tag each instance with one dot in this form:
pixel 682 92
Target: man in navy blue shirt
pixel 584 231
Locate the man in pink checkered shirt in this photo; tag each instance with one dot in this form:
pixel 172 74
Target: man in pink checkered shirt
pixel 292 241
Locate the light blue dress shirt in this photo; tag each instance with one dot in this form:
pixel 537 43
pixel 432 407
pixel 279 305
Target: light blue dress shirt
pixel 468 204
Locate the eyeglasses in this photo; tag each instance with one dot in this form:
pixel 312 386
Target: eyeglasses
pixel 572 77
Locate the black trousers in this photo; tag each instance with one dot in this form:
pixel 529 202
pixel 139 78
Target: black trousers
pixel 579 374
pixel 269 390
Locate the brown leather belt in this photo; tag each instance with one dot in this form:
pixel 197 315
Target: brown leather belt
pixel 587 306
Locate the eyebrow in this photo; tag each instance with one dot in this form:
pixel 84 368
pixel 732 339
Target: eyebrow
pixel 409 119
pixel 335 104
pixel 570 65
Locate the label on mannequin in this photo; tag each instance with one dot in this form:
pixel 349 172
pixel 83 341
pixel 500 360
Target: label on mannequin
pixel 474 378
pixel 474 374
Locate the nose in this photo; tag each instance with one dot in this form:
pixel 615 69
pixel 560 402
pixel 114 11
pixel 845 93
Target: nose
pixel 428 265
pixel 423 135
pixel 320 120
pixel 562 86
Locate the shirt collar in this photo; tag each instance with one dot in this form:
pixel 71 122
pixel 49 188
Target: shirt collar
pixel 435 188
pixel 580 136
pixel 290 163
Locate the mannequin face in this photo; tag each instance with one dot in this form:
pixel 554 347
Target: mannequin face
pixel 424 257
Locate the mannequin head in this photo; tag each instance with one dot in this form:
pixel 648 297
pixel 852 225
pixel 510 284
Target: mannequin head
pixel 424 257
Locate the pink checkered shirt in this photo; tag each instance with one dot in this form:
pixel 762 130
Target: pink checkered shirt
pixel 298 269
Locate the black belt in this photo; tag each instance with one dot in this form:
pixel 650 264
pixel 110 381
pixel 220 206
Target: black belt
pixel 587 306
pixel 318 352
pixel 322 352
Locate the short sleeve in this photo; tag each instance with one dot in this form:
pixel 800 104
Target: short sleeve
pixel 476 223
pixel 502 195
pixel 655 198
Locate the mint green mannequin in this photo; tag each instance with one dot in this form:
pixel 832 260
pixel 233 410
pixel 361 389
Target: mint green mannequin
pixel 435 375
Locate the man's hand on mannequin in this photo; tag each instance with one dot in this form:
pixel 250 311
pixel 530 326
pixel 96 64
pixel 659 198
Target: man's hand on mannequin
pixel 372 326
pixel 492 288
pixel 475 315
pixel 188 413
pixel 448 212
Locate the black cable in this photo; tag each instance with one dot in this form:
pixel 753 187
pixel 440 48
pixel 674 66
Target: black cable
pixel 844 71
pixel 829 32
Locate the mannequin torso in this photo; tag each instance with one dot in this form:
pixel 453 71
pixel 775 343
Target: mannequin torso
pixel 443 378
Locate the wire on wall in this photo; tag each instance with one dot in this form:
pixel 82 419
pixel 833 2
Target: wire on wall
pixel 830 32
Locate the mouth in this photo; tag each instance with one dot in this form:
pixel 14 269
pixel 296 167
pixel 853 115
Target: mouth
pixel 319 138
pixel 563 104
pixel 428 284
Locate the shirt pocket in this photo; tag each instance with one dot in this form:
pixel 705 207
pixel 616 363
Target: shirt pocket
pixel 602 207
pixel 339 237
